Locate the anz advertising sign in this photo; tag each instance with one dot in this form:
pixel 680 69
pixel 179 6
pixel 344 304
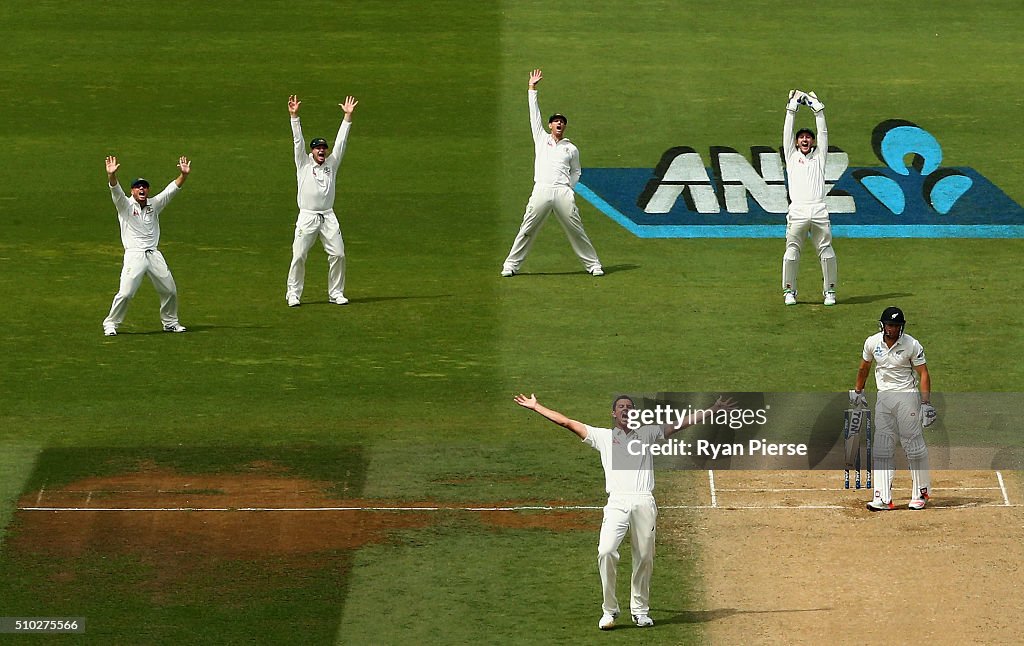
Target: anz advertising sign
pixel 737 198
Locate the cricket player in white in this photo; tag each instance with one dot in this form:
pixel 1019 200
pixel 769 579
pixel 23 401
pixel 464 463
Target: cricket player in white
pixel 629 481
pixel 556 169
pixel 139 217
pixel 805 170
pixel 316 173
pixel 900 370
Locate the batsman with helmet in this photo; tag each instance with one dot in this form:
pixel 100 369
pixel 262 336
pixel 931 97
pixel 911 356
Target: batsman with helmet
pixel 903 407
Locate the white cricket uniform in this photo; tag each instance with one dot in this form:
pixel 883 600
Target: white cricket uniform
pixel 140 235
pixel 315 198
pixel 807 211
pixel 556 169
pixel 629 481
pixel 897 412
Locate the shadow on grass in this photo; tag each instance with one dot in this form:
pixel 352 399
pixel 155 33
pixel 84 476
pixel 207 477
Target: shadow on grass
pixel 872 298
pixel 375 299
pixel 608 269
pixel 663 616
pixel 194 329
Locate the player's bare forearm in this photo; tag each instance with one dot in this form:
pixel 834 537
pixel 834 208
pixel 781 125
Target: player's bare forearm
pixel 552 415
pixel 862 375
pixel 926 382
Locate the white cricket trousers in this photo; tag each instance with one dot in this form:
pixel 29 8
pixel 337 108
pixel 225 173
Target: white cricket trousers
pixel 637 513
pixel 309 226
pixel 899 413
pixel 543 201
pixel 137 265
pixel 802 219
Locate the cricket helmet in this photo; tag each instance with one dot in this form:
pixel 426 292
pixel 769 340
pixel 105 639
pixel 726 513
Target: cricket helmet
pixel 892 316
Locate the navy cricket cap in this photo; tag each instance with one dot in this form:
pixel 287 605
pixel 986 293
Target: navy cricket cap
pixel 139 181
pixel 558 116
pixel 319 141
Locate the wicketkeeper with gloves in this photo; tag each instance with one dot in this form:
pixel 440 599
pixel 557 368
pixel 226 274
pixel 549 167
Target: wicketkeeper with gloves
pixel 903 407
pixel 805 157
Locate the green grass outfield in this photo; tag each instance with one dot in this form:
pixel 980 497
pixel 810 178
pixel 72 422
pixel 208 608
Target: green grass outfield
pixel 417 374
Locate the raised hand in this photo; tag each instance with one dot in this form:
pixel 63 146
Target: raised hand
pixel 349 105
pixel 293 105
pixel 184 165
pixel 112 165
pixel 526 402
pixel 536 76
pixel 723 403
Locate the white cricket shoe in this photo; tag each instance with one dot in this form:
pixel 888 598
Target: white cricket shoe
pixel 340 300
pixel 597 271
pixel 643 621
pixel 830 298
pixel 878 505
pixel 507 273
pixel 293 301
pixel 607 621
pixel 175 327
pixel 919 503
pixel 790 298
pixel 109 331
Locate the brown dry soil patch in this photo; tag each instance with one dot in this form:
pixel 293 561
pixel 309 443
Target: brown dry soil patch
pixel 951 574
pixel 234 533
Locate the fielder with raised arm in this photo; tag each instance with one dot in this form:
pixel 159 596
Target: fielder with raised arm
pixel 900 371
pixel 316 173
pixel 139 217
pixel 629 481
pixel 805 170
pixel 556 169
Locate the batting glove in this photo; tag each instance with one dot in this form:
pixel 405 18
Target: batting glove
pixel 858 400
pixel 811 100
pixel 928 415
pixel 795 99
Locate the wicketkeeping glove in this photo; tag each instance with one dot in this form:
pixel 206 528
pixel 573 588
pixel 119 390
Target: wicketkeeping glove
pixel 811 99
pixel 858 400
pixel 795 99
pixel 928 415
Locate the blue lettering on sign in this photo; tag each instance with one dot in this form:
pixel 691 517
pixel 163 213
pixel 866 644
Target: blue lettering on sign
pixel 736 198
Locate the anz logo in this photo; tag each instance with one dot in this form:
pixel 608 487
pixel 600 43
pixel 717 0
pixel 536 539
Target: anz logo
pixel 740 198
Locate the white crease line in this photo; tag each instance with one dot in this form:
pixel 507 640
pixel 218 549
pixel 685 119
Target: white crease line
pixel 711 484
pixel 784 490
pixel 1002 487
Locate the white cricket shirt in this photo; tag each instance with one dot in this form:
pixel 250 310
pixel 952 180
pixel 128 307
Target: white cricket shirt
pixel 894 367
pixel 140 225
pixel 556 163
pixel 806 173
pixel 627 469
pixel 317 181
